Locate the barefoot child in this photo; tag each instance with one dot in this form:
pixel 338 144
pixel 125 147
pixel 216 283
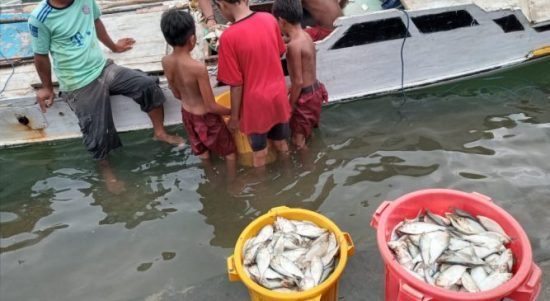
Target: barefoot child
pixel 249 62
pixel 307 94
pixel 189 82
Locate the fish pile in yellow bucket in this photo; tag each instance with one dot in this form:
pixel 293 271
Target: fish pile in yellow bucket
pixel 244 150
pixel 326 290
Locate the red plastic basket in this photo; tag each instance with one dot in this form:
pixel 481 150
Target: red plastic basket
pixel 525 285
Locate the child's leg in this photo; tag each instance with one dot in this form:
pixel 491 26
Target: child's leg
pixel 299 141
pixel 258 143
pixel 205 156
pixel 231 163
pixel 278 134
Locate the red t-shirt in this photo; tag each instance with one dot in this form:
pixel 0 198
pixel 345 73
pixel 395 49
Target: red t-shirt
pixel 250 56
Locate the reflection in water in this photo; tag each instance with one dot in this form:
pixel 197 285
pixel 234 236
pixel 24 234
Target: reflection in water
pixel 177 222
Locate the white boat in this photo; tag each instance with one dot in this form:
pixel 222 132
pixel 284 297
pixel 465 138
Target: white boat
pixel 364 56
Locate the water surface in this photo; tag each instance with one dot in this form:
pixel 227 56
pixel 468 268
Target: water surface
pixel 63 236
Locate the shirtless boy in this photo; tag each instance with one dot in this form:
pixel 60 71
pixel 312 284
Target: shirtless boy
pixel 189 82
pixel 307 94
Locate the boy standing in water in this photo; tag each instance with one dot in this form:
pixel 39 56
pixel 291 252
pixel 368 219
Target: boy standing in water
pixel 189 82
pixel 249 61
pixel 307 94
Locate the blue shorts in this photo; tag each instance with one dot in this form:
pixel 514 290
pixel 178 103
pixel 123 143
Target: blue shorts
pixel 280 131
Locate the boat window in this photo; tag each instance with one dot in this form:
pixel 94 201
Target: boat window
pixel 509 23
pixel 444 21
pixel 542 28
pixel 372 32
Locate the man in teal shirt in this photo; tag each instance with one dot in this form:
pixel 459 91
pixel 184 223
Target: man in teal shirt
pixel 69 30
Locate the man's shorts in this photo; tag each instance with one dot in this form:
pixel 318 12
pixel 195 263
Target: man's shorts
pixel 92 104
pixel 307 112
pixel 278 132
pixel 208 132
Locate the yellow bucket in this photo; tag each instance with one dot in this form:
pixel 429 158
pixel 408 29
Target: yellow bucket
pixel 326 291
pixel 241 140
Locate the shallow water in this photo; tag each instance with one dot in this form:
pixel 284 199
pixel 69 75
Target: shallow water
pixel 63 236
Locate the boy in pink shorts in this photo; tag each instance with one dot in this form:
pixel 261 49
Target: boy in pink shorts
pixel 307 94
pixel 189 82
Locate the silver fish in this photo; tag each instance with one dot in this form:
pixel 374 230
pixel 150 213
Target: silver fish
pixel 456 244
pixel 450 276
pixel 402 254
pixel 310 230
pixel 494 280
pixel 465 225
pixel 419 228
pixel 439 243
pixel 284 266
pixel 469 283
pixel 478 275
pixel 265 233
pixel 491 225
pixel 318 247
pixel 284 225
pixel 328 269
pixel 316 269
pixel 460 259
pixel 307 282
pixel 295 254
pixel 251 253
pixel 263 260
pixel 438 219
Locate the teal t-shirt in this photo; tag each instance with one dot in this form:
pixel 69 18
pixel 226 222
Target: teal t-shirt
pixel 69 35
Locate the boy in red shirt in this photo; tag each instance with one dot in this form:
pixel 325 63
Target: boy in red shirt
pixel 249 61
pixel 189 82
pixel 307 94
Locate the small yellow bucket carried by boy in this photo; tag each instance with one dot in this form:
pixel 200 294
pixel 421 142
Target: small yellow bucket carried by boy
pixel 326 291
pixel 244 149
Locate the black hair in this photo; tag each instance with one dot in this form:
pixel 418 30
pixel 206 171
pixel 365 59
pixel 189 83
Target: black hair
pixel 289 10
pixel 177 27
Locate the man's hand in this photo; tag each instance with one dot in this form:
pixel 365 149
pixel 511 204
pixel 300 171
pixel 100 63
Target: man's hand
pixel 124 45
pixel 233 124
pixel 45 97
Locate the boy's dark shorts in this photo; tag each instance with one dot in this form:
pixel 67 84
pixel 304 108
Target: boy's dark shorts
pixel 208 132
pixel 92 104
pixel 280 131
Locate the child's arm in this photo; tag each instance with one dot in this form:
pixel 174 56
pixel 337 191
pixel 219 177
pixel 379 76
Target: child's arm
pixel 208 96
pixel 169 78
pixel 294 63
pixel 236 99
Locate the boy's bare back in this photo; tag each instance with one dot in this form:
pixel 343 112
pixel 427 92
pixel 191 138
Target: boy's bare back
pixel 184 75
pixel 302 49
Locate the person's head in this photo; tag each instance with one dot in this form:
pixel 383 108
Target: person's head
pixel 229 8
pixel 287 12
pixel 178 28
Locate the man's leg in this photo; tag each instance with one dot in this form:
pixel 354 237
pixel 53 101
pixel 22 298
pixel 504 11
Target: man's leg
pixel 144 90
pixel 92 107
pixel 278 135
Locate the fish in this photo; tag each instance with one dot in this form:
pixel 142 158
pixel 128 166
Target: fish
pixel 491 225
pixel 469 283
pixel 459 252
pixel 263 260
pixel 450 276
pixel 290 255
pixel 310 231
pixel 419 228
pixel 464 224
pixel 284 225
pixel 284 266
pixel 265 233
pixel 494 280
